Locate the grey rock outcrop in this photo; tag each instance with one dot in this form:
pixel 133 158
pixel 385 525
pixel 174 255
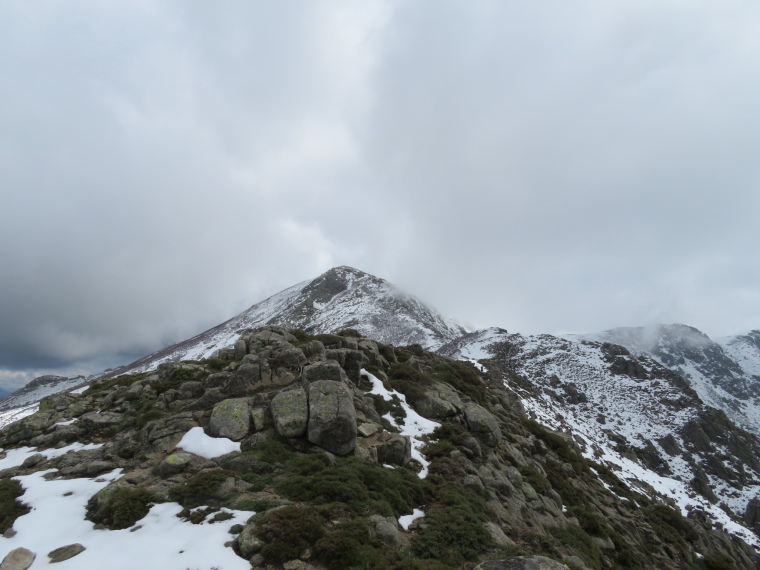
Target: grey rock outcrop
pixel 482 423
pixel 327 370
pixel 231 419
pixel 396 451
pixel 290 412
pixel 332 417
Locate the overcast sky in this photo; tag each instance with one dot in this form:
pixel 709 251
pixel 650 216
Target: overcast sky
pixel 543 166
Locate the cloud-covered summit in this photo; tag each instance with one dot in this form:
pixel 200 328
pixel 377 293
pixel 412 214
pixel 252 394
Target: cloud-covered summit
pixel 545 167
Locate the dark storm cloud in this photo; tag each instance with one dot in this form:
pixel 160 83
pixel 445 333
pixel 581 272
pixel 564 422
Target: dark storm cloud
pixel 574 167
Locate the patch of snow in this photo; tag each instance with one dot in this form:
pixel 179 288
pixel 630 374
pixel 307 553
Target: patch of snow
pixel 66 423
pixel 407 520
pixel 196 441
pixel 7 417
pixel 159 540
pixel 413 425
pixel 15 457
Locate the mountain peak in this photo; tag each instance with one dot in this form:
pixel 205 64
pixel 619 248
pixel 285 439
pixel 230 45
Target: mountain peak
pixel 341 298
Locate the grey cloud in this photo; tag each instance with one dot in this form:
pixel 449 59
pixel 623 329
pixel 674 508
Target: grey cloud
pixel 539 166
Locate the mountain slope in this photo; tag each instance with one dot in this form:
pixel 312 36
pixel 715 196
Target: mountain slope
pixel 352 453
pixel 724 374
pixel 38 389
pixel 631 413
pixel 340 298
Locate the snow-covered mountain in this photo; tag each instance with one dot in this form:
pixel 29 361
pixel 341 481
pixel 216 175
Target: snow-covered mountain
pixel 670 410
pixel 631 412
pixel 38 389
pixel 340 298
pixel 725 374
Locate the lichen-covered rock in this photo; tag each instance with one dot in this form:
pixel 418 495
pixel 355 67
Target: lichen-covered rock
pixel 332 417
pixel 65 552
pixel 522 563
pixel 259 420
pixel 18 559
pixel 482 423
pixel 396 451
pixel 248 543
pixel 173 464
pixel 166 433
pixel 230 418
pixel 290 412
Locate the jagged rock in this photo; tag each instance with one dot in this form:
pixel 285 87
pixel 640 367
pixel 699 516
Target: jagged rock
pixel 65 552
pixel 482 423
pixel 332 417
pixel 290 412
pixel 18 559
pixel 230 418
pixel 327 370
pixel 173 464
pixel 522 563
pixel 396 451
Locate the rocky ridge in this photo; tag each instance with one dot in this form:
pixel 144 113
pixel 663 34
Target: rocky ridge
pixel 319 421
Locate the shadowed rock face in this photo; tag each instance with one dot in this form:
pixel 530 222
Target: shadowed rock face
pixel 332 417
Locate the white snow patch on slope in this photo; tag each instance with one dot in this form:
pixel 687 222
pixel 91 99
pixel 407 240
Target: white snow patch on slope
pixel 413 425
pixel 7 417
pixel 159 540
pixel 407 520
pixel 15 457
pixel 196 441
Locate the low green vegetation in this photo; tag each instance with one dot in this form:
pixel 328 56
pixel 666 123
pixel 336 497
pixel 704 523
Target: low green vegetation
pixel 289 531
pixel 454 531
pixel 463 376
pixel 201 489
pixel 122 508
pixel 364 487
pixel 409 381
pixel 124 380
pixel 10 507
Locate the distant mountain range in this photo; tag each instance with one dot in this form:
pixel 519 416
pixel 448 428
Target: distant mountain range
pixel 666 407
